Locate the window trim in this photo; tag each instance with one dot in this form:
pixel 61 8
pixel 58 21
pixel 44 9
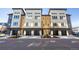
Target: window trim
pixel 54 17
pixel 37 17
pixel 15 23
pixel 62 17
pixel 55 24
pixel 36 24
pixel 16 16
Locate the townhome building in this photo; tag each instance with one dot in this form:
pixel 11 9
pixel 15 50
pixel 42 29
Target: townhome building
pixel 31 22
pixel 15 26
pixel 60 21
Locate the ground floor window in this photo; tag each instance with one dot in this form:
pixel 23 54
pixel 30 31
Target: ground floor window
pixel 36 32
pixel 14 32
pixel 28 32
pixel 63 32
pixel 55 32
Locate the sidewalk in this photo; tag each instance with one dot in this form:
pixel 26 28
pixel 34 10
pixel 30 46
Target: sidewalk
pixel 30 37
pixel 68 37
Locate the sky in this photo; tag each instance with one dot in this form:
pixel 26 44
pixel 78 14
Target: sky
pixel 74 12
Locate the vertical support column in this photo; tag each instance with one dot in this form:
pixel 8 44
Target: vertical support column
pixel 10 32
pixel 67 33
pixel 18 32
pixel 51 32
pixel 32 32
pixel 40 33
pixel 59 33
pixel 21 32
pixel 24 32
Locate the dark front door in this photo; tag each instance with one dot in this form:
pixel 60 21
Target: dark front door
pixel 14 32
pixel 36 32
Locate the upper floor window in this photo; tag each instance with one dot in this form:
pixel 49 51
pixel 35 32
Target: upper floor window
pixel 9 24
pixel 55 24
pixel 37 17
pixel 15 23
pixel 1 23
pixel 17 12
pixel 30 16
pixel 29 13
pixel 62 24
pixel 10 17
pixel 16 17
pixel 36 24
pixel 62 17
pixel 53 13
pixel 61 13
pixel 37 13
pixel 27 24
pixel 54 17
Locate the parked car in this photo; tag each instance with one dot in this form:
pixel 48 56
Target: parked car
pixel 77 34
pixel 2 34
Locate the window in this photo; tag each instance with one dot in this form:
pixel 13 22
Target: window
pixel 62 24
pixel 62 17
pixel 54 17
pixel 27 24
pixel 1 23
pixel 37 17
pixel 54 24
pixel 10 17
pixel 17 12
pixel 53 13
pixel 30 16
pixel 36 24
pixel 16 17
pixel 9 24
pixel 29 13
pixel 37 13
pixel 61 13
pixel 15 23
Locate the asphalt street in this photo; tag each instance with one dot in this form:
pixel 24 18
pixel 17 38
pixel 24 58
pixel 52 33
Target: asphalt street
pixel 39 44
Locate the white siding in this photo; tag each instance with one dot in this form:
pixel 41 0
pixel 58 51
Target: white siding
pixel 32 18
pixel 58 20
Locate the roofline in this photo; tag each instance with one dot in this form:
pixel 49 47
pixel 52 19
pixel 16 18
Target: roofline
pixel 68 14
pixel 56 9
pixel 45 15
pixel 19 8
pixel 10 14
pixel 33 8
